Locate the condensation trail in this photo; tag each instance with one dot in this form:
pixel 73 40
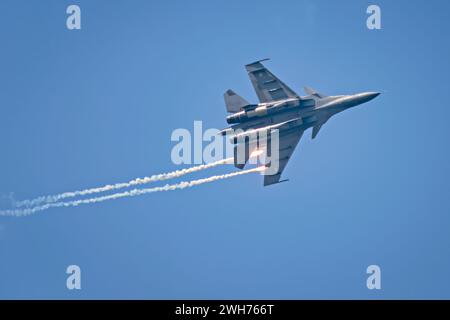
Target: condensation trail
pixel 131 193
pixel 109 187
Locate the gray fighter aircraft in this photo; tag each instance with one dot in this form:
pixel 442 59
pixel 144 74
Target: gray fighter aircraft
pixel 283 109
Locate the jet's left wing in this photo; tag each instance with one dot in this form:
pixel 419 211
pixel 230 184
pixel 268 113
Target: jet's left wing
pixel 287 144
pixel 268 87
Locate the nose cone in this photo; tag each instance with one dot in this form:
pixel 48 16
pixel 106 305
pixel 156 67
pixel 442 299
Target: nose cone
pixel 366 96
pixel 344 102
pixel 372 95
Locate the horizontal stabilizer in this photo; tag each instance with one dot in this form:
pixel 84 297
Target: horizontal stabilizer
pixel 234 102
pixel 242 153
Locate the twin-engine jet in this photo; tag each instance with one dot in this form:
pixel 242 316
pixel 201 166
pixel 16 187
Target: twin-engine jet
pixel 282 109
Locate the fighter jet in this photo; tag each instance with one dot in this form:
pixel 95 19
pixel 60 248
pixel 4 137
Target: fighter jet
pixel 281 108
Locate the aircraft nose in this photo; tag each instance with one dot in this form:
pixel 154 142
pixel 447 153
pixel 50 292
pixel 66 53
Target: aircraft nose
pixel 367 96
pixel 364 97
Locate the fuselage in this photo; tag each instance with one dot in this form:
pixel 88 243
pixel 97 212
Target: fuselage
pixel 307 111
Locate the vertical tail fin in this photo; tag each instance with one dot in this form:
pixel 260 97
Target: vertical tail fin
pixel 314 92
pixel 233 101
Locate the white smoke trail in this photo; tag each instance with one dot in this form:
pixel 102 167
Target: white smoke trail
pixel 131 193
pixel 109 187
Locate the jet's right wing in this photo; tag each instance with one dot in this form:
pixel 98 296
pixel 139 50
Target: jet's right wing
pixel 287 144
pixel 268 87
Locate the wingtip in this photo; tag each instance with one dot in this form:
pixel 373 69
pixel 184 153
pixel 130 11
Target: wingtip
pixel 258 61
pixel 273 183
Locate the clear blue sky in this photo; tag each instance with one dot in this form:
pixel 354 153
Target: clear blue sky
pixel 84 108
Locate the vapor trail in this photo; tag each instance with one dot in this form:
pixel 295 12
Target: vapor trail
pixel 131 193
pixel 109 187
